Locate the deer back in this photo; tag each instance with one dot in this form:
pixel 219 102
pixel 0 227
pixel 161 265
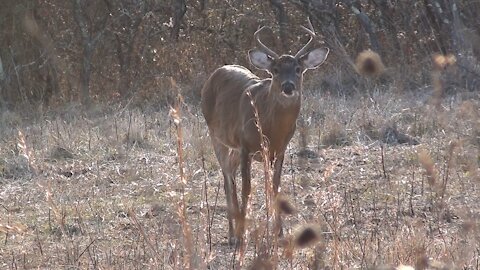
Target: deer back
pixel 221 96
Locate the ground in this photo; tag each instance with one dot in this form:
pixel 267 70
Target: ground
pixel 110 189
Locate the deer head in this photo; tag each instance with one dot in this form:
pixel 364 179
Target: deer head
pixel 287 70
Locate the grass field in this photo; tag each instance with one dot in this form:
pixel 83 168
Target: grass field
pixel 379 180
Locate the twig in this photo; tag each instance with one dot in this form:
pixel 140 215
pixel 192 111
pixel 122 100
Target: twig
pixel 383 161
pixel 85 249
pixel 209 227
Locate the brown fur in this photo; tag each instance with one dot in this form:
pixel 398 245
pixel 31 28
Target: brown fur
pixel 231 120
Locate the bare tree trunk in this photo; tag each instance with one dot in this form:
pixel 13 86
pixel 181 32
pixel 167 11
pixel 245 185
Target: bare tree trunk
pixel 127 46
pixel 2 72
pixel 460 43
pixel 36 29
pixel 391 30
pixel 203 4
pixel 282 22
pixel 2 85
pixel 124 62
pixel 463 47
pixel 436 17
pixel 89 41
pixel 85 73
pixel 179 8
pixel 367 26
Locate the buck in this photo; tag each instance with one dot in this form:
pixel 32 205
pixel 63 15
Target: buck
pixel 230 99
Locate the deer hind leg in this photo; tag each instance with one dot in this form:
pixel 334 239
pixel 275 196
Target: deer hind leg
pixel 276 185
pixel 229 161
pixel 246 165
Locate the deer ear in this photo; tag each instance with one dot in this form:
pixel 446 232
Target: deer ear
pixel 314 58
pixel 260 59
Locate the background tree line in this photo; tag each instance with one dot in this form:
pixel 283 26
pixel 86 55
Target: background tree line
pixel 57 51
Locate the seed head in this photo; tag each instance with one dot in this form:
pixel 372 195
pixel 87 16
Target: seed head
pixel 369 63
pixel 307 235
pixel 284 206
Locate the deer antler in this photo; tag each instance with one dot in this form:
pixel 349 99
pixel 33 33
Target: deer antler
pixel 262 46
pixel 309 44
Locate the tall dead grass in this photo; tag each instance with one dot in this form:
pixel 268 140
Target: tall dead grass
pixel 142 189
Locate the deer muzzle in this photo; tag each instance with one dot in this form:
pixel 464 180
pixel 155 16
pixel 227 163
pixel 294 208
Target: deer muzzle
pixel 288 87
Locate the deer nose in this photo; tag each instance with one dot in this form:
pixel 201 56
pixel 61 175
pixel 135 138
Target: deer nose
pixel 288 87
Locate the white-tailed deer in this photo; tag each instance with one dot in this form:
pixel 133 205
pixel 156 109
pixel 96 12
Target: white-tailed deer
pixel 227 107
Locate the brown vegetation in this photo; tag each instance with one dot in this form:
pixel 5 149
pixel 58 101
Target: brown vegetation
pixel 383 173
pixel 55 52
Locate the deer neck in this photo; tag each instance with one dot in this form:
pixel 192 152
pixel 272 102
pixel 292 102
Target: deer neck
pixel 282 109
pixel 279 119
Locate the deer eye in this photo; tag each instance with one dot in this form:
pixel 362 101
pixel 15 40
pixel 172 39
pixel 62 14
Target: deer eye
pixel 275 71
pixel 298 70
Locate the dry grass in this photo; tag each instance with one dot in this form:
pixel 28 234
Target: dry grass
pixel 103 190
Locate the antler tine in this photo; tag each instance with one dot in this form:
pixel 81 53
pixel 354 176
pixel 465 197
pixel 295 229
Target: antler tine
pixel 309 44
pixel 262 46
pixel 310 24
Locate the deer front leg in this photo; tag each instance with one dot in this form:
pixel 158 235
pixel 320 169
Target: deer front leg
pixel 234 210
pixel 276 185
